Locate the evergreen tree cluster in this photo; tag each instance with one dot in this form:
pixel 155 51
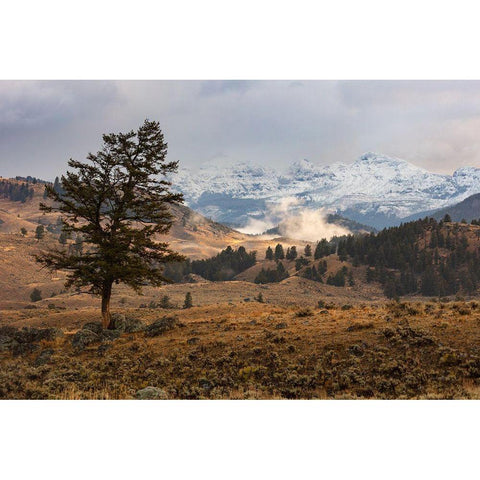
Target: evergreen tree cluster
pixel 316 272
pixel 270 275
pixel 279 253
pixel 224 266
pixel 324 249
pixel 17 192
pixel 425 256
pixel 301 262
pixel 341 277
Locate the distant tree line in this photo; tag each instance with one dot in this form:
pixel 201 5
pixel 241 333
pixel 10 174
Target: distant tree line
pixel 17 192
pixel 223 266
pixel 30 179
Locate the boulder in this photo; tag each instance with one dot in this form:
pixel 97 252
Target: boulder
pixel 126 324
pixel 161 326
pixel 95 327
pixel 119 322
pixel 83 338
pixel 32 334
pixel 151 393
pixel 110 335
pixel 134 325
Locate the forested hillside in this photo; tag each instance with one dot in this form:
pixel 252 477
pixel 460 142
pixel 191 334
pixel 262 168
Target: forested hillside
pixel 426 256
pixel 16 191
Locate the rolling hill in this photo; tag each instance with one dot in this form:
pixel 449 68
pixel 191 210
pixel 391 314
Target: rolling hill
pixel 468 209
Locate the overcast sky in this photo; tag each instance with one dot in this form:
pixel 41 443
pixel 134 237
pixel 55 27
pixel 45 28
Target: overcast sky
pixel 433 124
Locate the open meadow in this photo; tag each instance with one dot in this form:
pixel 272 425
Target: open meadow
pixel 245 350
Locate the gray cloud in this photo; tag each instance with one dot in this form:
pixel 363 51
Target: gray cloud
pixel 433 124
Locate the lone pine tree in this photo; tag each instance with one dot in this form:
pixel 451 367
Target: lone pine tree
pixel 188 301
pixel 116 203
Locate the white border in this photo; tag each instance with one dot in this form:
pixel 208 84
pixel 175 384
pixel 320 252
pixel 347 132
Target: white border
pixel 226 40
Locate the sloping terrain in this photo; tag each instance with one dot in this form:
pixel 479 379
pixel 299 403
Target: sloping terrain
pixel 468 209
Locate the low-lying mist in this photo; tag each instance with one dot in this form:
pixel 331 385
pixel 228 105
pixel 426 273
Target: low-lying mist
pixel 295 221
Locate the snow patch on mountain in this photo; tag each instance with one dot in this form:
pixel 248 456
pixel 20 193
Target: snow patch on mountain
pixel 375 189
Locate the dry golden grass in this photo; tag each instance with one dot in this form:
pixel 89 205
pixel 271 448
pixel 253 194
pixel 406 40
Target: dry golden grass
pixel 254 351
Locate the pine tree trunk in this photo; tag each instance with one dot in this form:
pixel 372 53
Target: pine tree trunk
pixel 106 316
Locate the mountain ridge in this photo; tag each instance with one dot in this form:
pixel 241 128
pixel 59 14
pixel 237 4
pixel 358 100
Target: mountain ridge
pixel 468 209
pixel 376 189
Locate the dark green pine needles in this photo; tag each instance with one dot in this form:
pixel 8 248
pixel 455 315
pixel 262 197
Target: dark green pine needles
pixel 117 202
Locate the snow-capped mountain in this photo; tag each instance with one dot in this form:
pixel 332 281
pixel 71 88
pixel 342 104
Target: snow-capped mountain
pixel 375 189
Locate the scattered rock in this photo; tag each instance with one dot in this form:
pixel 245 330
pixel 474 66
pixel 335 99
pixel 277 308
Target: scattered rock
pixel 119 322
pixel 151 393
pixel 110 335
pixel 133 325
pixel 95 327
pixel 84 338
pixel 193 340
pixel 31 334
pixel 281 326
pixel 161 326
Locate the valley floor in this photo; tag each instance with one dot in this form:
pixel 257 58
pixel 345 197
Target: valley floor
pixel 247 350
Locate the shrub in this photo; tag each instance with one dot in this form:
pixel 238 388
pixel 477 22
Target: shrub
pixel 165 302
pixel 304 312
pixel 259 298
pixel 36 295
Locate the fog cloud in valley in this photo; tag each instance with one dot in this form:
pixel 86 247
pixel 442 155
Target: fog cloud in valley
pixel 295 221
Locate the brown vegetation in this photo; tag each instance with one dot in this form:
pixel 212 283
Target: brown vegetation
pixel 256 350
